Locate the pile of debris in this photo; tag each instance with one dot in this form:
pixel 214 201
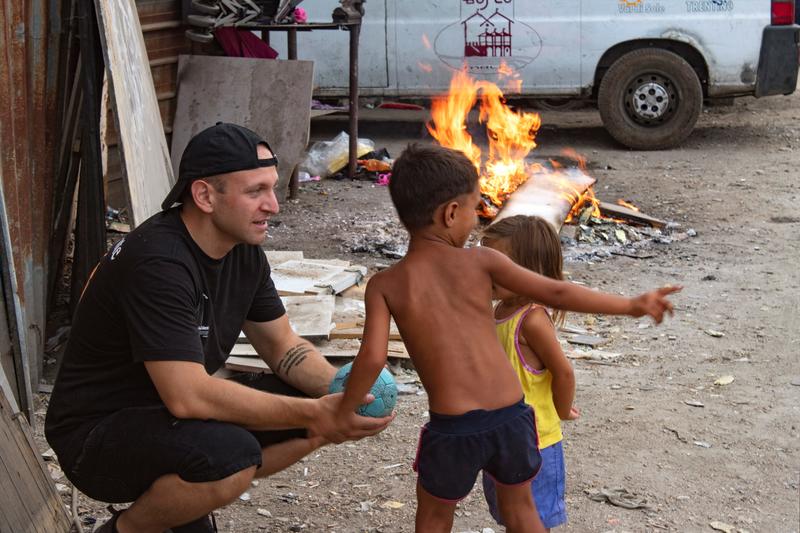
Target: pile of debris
pixel 589 238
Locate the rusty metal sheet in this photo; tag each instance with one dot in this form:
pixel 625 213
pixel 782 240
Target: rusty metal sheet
pixel 146 169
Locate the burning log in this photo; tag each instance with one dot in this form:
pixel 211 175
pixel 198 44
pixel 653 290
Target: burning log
pixel 547 196
pixel 631 215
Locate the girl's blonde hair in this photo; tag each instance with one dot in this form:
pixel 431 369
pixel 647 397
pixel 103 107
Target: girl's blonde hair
pixel 534 244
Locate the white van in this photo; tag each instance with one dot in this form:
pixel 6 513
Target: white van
pixel 647 63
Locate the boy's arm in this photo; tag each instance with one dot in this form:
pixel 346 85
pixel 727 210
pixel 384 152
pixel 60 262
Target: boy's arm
pixel 371 356
pixel 569 296
pixel 540 334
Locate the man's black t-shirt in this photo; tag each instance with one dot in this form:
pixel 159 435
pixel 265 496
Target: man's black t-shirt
pixel 155 296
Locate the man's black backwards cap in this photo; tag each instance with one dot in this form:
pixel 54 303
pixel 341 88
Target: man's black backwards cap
pixel 220 149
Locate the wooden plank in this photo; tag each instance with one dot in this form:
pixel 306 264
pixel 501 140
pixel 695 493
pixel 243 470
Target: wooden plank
pixel 272 98
pixel 631 215
pixel 349 318
pixel 341 281
pixel 28 498
pixel 146 170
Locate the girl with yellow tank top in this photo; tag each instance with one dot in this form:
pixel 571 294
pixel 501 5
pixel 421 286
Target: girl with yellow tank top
pixel 528 334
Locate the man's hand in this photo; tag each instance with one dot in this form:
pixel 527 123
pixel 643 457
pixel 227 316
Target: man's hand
pixel 574 413
pixel 337 426
pixel 653 303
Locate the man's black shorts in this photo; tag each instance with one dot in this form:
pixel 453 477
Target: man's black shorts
pixel 127 451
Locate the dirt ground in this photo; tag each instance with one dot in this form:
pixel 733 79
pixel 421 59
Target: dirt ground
pixel 733 461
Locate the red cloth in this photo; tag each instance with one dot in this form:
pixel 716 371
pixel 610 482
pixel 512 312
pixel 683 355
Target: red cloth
pixel 243 43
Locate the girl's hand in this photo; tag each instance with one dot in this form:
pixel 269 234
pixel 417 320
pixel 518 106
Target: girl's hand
pixel 653 303
pixel 574 413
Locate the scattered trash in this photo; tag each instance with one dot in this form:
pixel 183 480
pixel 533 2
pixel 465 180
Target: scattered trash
pixel 702 444
pixel 264 512
pixel 713 333
pixel 326 158
pixel 365 506
pixel 593 355
pixel 724 380
pixel 289 497
pixel 587 340
pixel 304 177
pixel 796 382
pixel 620 497
pixel 721 526
pixel 391 504
pixel 694 403
pixel 245 497
pixel 677 435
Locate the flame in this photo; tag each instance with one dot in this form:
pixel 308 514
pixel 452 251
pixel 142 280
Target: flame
pixel 511 133
pixel 511 137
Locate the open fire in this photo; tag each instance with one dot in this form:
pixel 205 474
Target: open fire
pixel 511 136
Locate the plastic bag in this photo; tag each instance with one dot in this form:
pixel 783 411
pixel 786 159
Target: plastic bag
pixel 326 158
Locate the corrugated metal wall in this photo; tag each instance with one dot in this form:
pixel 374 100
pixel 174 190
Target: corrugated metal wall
pixel 32 109
pixel 29 44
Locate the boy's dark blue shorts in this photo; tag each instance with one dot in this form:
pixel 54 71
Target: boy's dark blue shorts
pixel 453 449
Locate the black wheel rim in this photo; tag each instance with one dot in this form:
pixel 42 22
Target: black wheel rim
pixel 651 99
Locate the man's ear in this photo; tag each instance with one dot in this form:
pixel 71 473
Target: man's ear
pixel 449 213
pixel 203 195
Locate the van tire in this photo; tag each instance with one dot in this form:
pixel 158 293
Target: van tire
pixel 648 74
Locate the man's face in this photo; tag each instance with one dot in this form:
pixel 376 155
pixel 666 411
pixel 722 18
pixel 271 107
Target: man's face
pixel 242 210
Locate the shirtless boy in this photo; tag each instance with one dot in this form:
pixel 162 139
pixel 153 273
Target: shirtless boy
pixel 440 297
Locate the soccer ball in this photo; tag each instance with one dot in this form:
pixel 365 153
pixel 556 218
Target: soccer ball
pixel 384 390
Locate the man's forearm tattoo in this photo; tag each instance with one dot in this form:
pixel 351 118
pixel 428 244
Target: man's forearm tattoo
pixel 294 356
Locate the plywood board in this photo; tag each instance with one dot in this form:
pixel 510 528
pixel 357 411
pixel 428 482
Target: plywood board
pixel 310 316
pixel 349 318
pixel 278 257
pixel 297 277
pixel 272 98
pixel 146 168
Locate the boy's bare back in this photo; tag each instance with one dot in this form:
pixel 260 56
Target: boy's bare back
pixel 440 297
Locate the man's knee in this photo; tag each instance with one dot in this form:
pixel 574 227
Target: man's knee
pixel 228 489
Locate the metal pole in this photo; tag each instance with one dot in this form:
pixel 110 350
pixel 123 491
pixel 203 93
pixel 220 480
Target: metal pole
pixel 291 49
pixel 355 30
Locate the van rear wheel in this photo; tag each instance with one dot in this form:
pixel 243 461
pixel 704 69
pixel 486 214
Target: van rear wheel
pixel 650 99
